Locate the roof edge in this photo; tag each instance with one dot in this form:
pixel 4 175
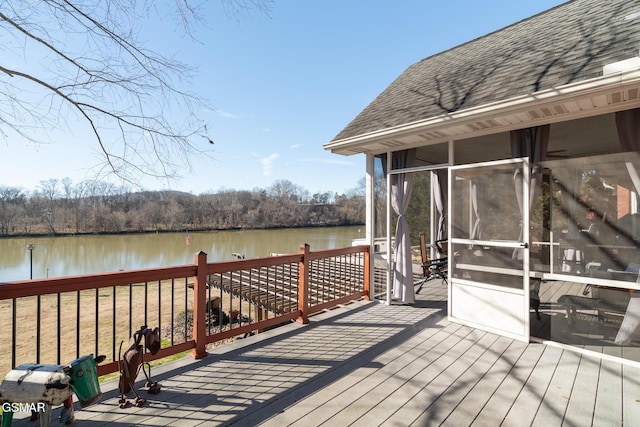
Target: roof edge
pixel 560 93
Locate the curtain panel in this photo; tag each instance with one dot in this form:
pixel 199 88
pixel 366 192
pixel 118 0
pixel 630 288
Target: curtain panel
pixel 532 143
pixel 401 187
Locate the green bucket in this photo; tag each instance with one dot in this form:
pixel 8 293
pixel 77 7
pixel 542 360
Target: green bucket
pixel 84 380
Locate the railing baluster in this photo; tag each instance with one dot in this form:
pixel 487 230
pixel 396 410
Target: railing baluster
pixel 221 319
pixel 146 302
pixel 38 304
pixel 130 309
pixel 114 327
pixel 97 316
pixel 58 329
pixel 160 307
pixel 78 325
pixel 352 273
pixel 267 290
pixel 263 301
pixel 14 331
pixel 239 318
pixel 326 269
pixel 251 303
pixel 186 309
pixel 208 307
pixel 290 288
pixel 220 304
pixel 172 310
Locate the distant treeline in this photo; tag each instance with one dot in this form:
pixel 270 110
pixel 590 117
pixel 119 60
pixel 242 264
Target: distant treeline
pixel 62 207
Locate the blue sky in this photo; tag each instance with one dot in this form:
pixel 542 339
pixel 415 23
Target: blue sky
pixel 281 87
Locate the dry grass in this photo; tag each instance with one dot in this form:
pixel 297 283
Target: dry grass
pixel 96 307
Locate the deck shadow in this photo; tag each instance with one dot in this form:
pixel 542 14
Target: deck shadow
pixel 253 379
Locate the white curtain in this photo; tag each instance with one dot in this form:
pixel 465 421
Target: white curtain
pixel 401 186
pixel 532 143
pixel 440 190
pixel 476 231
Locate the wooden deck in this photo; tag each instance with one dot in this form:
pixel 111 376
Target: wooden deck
pixel 370 364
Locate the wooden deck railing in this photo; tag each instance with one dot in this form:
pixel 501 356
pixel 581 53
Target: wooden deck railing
pixel 56 320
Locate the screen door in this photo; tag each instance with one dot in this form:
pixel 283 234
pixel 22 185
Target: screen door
pixel 489 253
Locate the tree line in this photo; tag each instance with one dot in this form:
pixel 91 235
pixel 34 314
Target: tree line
pixel 60 207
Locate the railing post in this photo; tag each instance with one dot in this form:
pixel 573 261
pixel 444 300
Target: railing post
pixel 367 274
pixel 303 285
pixel 199 302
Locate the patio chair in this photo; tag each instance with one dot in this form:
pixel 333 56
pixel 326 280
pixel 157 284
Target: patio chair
pixel 432 268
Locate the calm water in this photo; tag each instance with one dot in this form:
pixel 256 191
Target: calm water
pixel 68 256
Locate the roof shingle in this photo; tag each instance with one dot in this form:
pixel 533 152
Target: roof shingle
pixel 567 44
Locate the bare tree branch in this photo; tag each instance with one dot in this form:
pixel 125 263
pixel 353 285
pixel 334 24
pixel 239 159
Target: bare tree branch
pixel 83 60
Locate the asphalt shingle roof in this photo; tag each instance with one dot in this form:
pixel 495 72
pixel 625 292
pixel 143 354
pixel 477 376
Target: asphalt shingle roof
pixel 567 44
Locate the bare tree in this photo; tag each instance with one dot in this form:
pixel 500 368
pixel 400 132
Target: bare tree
pixel 66 61
pixel 11 207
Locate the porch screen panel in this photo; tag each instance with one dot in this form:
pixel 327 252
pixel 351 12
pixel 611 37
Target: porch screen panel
pixel 591 298
pixel 486 209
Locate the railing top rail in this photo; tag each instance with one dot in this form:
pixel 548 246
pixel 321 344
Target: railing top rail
pixel 328 253
pixel 246 264
pixel 54 285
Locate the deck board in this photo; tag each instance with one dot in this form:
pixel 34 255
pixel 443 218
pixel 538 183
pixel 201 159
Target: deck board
pixel 367 364
pixel 532 394
pixel 556 397
pixel 630 387
pixel 608 410
pixel 454 384
pixel 519 366
pixel 407 385
pixel 583 396
pixel 485 372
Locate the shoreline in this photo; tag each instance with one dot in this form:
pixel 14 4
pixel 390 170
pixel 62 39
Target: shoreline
pixel 182 230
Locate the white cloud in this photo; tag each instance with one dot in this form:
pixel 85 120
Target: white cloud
pixel 227 115
pixel 267 163
pixel 295 146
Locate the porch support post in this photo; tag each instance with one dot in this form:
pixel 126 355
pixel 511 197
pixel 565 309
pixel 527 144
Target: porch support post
pixel 370 219
pixel 199 307
pixel 303 285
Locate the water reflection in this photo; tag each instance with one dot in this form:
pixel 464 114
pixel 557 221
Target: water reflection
pixel 65 256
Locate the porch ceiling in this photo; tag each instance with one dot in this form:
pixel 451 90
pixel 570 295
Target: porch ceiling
pixel 593 98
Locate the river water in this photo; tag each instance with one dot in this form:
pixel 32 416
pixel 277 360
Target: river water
pixel 75 255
